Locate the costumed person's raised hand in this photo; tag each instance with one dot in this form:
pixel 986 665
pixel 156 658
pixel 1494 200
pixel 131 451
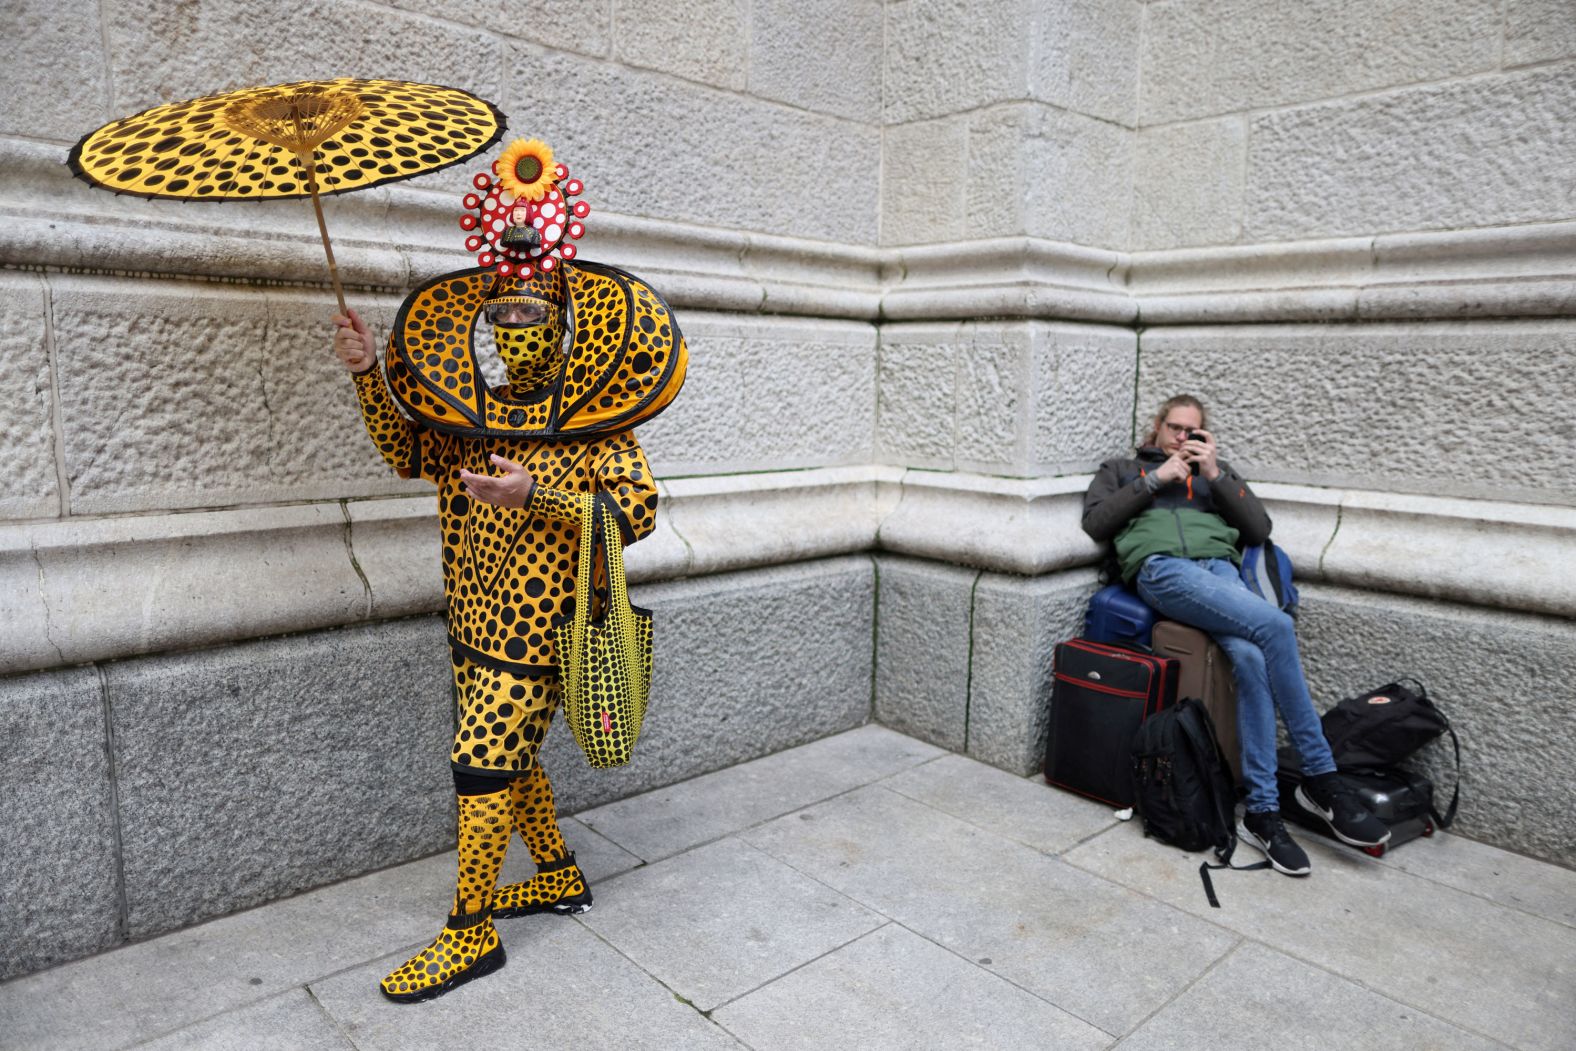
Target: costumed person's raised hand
pixel 511 490
pixel 353 343
pixel 1200 449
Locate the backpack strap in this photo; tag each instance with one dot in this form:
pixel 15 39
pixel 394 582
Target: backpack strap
pixel 1226 809
pixel 1455 796
pixel 1449 816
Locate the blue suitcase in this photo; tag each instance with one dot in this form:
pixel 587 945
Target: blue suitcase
pixel 1117 616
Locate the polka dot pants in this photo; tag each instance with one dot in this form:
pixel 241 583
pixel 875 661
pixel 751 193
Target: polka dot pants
pixel 503 718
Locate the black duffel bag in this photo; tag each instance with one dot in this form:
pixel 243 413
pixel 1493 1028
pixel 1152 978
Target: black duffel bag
pixel 1382 728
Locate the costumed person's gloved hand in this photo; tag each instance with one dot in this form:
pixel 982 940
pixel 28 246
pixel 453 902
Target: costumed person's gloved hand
pixel 512 490
pixel 353 343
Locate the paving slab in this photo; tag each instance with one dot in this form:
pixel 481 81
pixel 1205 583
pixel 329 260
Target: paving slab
pixel 1482 966
pixel 561 987
pixel 895 991
pixel 289 1022
pixel 1258 998
pixel 1509 879
pixel 1034 920
pixel 723 919
pixel 665 821
pixel 156 987
pixel 1025 809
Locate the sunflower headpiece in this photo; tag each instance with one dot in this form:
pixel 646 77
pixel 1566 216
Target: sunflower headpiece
pixel 519 218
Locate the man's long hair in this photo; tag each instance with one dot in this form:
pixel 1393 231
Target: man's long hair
pixel 1176 401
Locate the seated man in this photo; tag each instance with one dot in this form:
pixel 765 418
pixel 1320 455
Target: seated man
pixel 1176 515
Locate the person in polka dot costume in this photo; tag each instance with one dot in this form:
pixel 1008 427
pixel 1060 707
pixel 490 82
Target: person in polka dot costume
pixel 511 465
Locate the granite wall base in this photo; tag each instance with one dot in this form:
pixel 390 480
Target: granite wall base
pixel 964 661
pixel 153 793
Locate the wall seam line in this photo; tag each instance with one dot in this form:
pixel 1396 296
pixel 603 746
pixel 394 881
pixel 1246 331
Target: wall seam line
pixel 875 632
pixel 56 409
pixel 117 835
pixel 350 550
pixel 109 66
pixel 968 677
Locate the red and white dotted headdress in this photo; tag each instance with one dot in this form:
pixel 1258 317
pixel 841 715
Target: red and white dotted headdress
pixel 519 219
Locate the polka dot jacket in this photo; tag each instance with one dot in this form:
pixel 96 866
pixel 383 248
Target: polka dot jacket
pixel 510 574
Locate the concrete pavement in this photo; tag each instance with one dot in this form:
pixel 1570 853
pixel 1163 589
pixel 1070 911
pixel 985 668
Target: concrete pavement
pixel 870 891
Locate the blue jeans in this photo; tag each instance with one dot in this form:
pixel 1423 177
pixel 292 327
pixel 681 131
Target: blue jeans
pixel 1261 643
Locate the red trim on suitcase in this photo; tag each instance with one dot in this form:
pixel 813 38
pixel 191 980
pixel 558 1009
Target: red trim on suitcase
pixel 1102 688
pixel 1157 665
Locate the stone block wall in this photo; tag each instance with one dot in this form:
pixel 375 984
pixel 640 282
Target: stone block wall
pixel 935 261
pixel 152 793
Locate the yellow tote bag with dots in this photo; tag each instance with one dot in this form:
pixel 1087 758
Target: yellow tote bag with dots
pixel 606 662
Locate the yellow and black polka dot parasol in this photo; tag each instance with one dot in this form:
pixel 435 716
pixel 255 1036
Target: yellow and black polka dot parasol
pixel 289 140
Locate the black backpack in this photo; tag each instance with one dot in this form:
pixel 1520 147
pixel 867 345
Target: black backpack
pixel 1380 729
pixel 1182 786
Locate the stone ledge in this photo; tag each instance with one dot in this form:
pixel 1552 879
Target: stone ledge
pixel 204 578
pixel 387 237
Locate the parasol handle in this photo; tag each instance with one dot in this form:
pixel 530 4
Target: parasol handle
pixel 309 162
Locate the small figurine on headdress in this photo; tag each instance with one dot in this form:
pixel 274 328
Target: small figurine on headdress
pixel 589 352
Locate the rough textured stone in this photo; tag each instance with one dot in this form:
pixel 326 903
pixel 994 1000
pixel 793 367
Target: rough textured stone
pixel 262 769
pixel 189 395
pixel 1203 57
pixel 29 487
pixel 922 649
pixel 916 205
pixel 1473 153
pixel 1083 390
pixel 1388 402
pixel 1539 31
pixel 58 45
pixel 746 664
pixel 1017 623
pixel 585 26
pixel 894 991
pixel 766 394
pixel 57 842
pixel 1260 996
pixel 1015 398
pixel 947 56
pixel 992 398
pixel 667 149
pixel 1084 56
pixel 705 40
pixel 1045 172
pixel 823 55
pixel 170 53
pixel 1188 184
pixel 916 390
pixel 1500 679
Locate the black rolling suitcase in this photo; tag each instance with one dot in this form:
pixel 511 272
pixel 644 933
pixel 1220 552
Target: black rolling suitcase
pixel 1099 696
pixel 1403 801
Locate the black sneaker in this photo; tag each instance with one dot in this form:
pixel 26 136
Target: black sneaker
pixel 1268 833
pixel 1331 799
